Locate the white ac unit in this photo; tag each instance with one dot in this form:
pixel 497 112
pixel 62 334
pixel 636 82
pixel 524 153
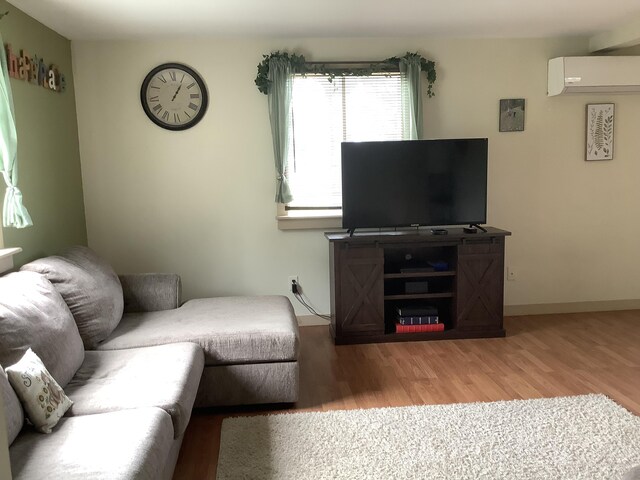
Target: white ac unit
pixel 614 74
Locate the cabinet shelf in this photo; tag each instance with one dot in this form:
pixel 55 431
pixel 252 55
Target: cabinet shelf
pixel 446 273
pixel 417 296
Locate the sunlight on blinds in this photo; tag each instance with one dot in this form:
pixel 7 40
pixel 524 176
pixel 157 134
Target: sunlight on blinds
pixel 368 108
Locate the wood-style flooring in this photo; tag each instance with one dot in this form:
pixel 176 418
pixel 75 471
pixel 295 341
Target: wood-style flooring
pixel 541 356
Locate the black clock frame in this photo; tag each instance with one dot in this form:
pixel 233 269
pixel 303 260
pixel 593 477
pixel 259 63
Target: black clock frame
pixel 203 88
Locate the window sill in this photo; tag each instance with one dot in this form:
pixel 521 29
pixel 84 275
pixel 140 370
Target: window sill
pixel 309 219
pixel 6 258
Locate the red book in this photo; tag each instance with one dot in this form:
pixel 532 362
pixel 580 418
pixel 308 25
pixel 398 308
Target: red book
pixel 435 327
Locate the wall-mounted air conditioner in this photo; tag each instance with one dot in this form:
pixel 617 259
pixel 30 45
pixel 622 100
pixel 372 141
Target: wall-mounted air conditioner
pixel 612 74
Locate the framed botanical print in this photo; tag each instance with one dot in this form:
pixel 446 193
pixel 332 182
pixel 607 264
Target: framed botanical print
pixel 599 142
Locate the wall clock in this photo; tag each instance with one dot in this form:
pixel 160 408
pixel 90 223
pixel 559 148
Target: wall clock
pixel 174 96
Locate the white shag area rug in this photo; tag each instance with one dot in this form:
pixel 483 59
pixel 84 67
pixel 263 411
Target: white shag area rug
pixel 583 437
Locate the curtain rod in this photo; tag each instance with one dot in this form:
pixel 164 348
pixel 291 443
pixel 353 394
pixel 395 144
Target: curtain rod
pixel 349 62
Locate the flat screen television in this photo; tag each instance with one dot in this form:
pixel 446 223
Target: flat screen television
pixel 414 182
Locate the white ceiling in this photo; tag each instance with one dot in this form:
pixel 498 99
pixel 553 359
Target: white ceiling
pixel 120 19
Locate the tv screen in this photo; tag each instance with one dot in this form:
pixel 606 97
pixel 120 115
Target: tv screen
pixel 414 182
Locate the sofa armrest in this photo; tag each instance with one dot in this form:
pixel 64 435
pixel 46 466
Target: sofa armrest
pixel 150 292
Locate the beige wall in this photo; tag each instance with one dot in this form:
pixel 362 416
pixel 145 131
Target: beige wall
pixel 200 203
pixel 49 159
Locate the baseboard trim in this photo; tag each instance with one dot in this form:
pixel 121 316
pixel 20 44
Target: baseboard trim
pixel 311 321
pixel 570 307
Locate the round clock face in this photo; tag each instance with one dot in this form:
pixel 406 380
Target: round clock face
pixel 174 96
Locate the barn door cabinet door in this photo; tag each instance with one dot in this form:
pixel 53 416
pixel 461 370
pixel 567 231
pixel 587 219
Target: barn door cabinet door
pixel 361 290
pixel 480 286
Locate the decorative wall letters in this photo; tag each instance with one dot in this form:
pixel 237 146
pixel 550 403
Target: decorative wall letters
pixel 34 70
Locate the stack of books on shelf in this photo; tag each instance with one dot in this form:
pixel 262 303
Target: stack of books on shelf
pixel 417 319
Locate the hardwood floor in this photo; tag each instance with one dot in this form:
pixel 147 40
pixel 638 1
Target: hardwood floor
pixel 542 356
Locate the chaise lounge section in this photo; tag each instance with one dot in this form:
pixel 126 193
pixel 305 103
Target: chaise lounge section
pixel 250 343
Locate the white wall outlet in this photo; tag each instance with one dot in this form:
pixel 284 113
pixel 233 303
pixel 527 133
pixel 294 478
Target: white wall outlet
pixel 290 280
pixel 511 274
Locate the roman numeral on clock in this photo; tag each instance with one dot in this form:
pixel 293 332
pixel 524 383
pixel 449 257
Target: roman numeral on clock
pixel 191 84
pixel 172 74
pixel 157 108
pixel 195 95
pixel 165 115
pixel 193 106
pixel 176 118
pixel 154 99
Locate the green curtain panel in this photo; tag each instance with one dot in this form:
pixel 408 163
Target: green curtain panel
pixel 410 66
pixel 14 213
pixel 279 98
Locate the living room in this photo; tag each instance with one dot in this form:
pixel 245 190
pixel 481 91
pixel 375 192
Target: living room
pixel 93 170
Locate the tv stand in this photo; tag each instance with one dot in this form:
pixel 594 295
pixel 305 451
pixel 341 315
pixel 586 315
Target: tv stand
pixel 370 272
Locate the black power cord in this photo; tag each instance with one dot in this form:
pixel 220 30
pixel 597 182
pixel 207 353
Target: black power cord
pixel 297 292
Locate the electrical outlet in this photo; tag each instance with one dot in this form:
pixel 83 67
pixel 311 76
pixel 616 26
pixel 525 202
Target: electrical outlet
pixel 290 280
pixel 511 274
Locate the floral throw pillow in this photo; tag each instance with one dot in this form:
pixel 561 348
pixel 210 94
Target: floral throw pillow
pixel 41 396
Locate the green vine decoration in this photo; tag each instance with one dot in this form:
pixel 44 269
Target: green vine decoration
pixel 262 80
pixel 299 65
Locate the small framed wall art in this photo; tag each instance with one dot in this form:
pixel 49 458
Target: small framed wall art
pixel 600 131
pixel 512 115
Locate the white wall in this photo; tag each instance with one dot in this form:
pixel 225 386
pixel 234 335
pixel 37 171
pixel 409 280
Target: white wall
pixel 200 202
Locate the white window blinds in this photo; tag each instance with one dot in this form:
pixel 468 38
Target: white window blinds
pixel 325 114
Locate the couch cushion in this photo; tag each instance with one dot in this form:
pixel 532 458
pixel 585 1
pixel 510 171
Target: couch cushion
pixel 41 396
pixel 231 330
pixel 130 444
pixel 33 314
pixel 89 286
pixel 165 376
pixel 13 413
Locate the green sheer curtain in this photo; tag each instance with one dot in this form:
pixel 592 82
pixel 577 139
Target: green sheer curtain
pixel 14 213
pixel 410 66
pixel 279 97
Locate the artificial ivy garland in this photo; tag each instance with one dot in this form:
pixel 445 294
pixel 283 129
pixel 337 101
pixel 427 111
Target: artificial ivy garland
pixel 299 65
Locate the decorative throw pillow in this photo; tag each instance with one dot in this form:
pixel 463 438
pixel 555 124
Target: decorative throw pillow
pixel 42 398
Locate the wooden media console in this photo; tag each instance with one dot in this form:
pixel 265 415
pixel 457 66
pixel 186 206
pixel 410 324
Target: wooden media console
pixel 462 273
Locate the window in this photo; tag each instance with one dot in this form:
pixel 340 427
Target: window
pixel 326 113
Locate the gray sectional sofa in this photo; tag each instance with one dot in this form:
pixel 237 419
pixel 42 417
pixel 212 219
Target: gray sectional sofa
pixel 134 361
